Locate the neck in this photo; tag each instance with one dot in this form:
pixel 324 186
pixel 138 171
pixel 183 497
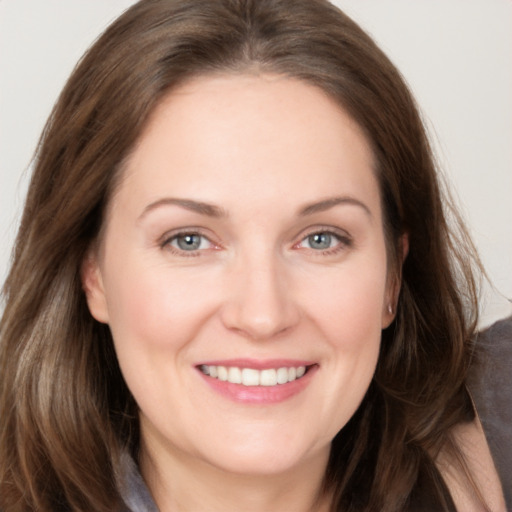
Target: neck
pixel 179 482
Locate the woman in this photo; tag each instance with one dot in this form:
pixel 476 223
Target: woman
pixel 238 299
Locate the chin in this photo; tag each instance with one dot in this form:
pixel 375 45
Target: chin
pixel 259 457
pixel 259 466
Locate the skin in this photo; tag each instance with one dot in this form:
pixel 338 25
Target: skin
pixel 261 149
pixel 254 165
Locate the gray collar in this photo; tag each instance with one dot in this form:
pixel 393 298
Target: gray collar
pixel 134 491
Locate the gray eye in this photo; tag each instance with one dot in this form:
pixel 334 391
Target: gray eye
pixel 190 242
pixel 320 241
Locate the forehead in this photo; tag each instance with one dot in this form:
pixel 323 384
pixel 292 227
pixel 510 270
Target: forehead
pixel 250 133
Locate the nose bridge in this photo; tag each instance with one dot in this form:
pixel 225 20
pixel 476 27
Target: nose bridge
pixel 260 303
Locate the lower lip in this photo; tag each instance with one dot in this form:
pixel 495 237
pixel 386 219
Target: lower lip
pixel 262 395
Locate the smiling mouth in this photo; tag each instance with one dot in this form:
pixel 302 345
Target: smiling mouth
pixel 251 377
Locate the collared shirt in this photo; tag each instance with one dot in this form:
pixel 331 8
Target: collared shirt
pixel 136 495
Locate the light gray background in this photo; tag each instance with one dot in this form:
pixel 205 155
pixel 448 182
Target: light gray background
pixel 455 54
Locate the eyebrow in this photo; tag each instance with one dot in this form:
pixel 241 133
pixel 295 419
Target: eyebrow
pixel 331 202
pixel 199 207
pixel 211 210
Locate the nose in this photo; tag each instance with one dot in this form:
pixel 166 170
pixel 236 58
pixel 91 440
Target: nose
pixel 260 303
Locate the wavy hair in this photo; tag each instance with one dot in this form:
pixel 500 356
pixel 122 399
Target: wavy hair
pixel 66 413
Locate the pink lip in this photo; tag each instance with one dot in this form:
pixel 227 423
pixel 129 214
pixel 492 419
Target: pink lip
pixel 259 395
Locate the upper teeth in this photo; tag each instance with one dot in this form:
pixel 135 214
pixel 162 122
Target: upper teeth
pixel 252 377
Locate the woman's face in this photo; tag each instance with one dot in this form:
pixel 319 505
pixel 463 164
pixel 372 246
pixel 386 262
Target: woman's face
pixel 243 273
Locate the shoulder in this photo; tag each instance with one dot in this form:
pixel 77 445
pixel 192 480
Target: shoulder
pixel 490 385
pixel 476 480
pixel 485 442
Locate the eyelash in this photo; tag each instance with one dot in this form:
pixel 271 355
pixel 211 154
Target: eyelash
pixel 167 240
pixel 344 241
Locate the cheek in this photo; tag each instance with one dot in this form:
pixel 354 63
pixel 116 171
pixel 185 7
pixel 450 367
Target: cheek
pixel 155 308
pixel 349 304
pixel 349 316
pixel 154 316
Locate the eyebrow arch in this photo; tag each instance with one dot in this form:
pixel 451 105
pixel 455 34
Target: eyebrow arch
pixel 326 204
pixel 199 207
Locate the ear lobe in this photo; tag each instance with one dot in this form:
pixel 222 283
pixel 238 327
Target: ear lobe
pixel 388 315
pixel 391 305
pixel 92 284
pixel 404 248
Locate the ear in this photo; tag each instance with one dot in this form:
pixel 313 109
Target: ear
pixel 92 284
pixel 395 284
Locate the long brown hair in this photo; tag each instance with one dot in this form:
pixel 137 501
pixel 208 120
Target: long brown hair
pixel 66 414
